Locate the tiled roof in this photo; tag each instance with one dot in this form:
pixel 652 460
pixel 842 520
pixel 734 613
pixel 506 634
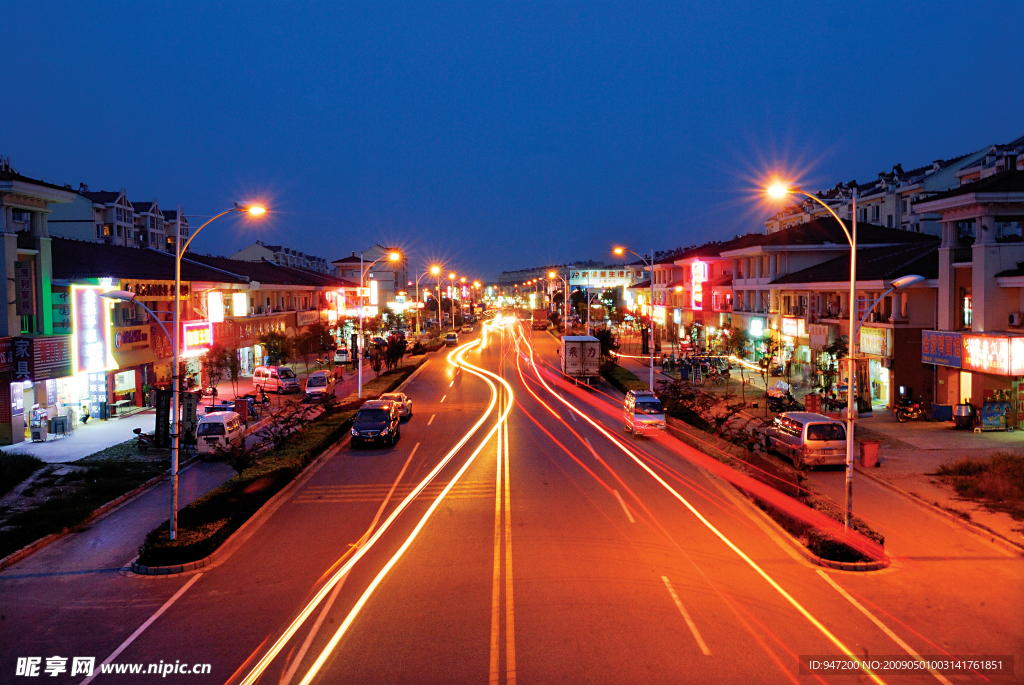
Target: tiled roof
pixel 170 215
pixel 874 264
pixel 823 231
pixel 8 174
pixel 101 197
pixel 1006 182
pixel 78 259
pixel 142 207
pixel 269 272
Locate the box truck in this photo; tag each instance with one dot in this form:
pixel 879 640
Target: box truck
pixel 581 357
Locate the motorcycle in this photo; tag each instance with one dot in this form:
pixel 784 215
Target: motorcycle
pixel 907 411
pixel 784 403
pixel 143 441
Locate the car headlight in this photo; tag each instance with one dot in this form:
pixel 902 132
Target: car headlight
pixel 355 433
pixel 387 429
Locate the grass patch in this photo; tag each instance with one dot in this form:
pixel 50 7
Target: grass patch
pixel 208 521
pixel 70 499
pixel 623 379
pixel 997 481
pixel 14 468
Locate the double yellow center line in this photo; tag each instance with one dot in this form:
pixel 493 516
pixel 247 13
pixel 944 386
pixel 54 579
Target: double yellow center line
pixel 502 505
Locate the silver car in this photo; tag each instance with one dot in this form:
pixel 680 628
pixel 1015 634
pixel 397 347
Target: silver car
pixel 808 439
pixel 402 401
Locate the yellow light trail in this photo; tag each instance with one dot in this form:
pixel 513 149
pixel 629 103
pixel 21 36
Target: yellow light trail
pixel 289 632
pixel 343 628
pixel 721 536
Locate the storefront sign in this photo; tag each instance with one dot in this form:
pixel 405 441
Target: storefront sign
pixel 988 354
pixel 196 338
pixel 699 274
pixel 189 407
pixel 155 290
pixel 818 333
pixel 24 289
pixel 793 327
pixel 756 328
pixel 97 392
pixel 163 418
pixel 62 312
pixel 239 304
pixel 90 316
pixel 6 354
pixel 659 314
pixel 942 348
pixel 134 338
pixel 875 341
pixel 306 318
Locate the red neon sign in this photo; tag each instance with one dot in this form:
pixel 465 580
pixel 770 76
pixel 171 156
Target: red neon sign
pixel 699 275
pixel 196 338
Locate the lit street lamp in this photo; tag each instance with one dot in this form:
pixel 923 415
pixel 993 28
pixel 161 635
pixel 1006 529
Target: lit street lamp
pixel 392 257
pixel 650 265
pixel 434 270
pixel 565 298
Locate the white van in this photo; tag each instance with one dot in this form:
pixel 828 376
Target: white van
pixel 808 439
pixel 277 379
pixel 642 412
pixel 219 429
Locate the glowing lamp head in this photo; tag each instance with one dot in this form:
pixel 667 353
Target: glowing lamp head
pixel 451 276
pixel 463 279
pixel 255 210
pixel 777 190
pixel 435 270
pixel 551 274
pixel 394 256
pixel 679 288
pixel 618 251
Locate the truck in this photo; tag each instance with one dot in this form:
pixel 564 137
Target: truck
pixel 540 319
pixel 581 357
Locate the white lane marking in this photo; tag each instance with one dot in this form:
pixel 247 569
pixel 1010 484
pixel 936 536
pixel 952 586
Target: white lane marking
pixel 587 440
pixel 442 399
pixel 451 384
pixel 624 508
pixel 431 419
pixel 689 621
pixel 141 629
pixel 881 626
pixel 290 673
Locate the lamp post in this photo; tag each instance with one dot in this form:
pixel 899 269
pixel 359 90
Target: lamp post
pixel 392 257
pixel 779 190
pixel 451 298
pixel 434 270
pixel 565 297
pixel 650 265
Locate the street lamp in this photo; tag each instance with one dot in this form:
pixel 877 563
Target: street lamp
pixel 253 210
pixel 451 298
pixel 434 270
pixel 620 251
pixel 391 257
pixel 779 190
pixel 565 298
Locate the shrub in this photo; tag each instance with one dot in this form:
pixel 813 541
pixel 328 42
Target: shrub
pixel 622 379
pixel 14 468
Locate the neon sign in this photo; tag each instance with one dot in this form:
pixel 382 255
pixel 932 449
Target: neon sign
pixel 988 354
pixel 699 275
pixel 196 338
pixel 90 322
pixel 215 306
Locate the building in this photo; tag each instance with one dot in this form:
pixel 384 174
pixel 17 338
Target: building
pixel 890 199
pixel 149 227
pixel 103 216
pixel 285 256
pixel 976 350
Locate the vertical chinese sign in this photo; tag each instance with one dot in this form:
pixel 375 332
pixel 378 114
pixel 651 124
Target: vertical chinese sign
pixel 90 317
pixel 24 289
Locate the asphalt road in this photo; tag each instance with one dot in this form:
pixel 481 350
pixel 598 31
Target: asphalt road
pixel 576 566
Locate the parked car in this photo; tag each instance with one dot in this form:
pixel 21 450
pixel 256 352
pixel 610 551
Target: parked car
pixel 320 383
pixel 219 429
pixel 277 379
pixel 402 401
pixel 451 339
pixel 642 412
pixel 808 439
pixel 377 421
pixel 466 328
pixel 341 355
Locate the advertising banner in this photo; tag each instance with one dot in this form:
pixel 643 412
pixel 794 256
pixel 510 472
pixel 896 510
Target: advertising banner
pixel 90 316
pixel 189 409
pixel 875 341
pixel 24 289
pixel 943 348
pixel 163 418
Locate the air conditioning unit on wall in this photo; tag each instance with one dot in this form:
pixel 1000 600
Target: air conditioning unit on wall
pixel 1016 318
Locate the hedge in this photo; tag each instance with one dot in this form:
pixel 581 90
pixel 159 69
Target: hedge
pixel 623 379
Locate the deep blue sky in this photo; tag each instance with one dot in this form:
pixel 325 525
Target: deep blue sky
pixel 497 135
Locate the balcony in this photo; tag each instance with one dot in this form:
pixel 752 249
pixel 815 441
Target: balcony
pixel 963 255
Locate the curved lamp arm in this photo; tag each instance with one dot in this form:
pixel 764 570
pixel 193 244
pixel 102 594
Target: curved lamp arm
pixel 831 211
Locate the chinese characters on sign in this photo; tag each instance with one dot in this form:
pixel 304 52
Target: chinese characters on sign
pixel 90 316
pixel 941 347
pixel 699 274
pixel 24 288
pixel 875 341
pixel 196 338
pixel 988 354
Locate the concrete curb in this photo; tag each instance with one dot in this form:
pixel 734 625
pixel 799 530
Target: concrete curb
pixel 979 530
pixel 143 570
pixel 33 547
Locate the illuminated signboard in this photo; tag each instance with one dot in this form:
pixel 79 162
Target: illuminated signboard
pixel 875 341
pixel 239 304
pixel 659 314
pixel 699 274
pixel 793 327
pixel 90 322
pixel 988 354
pixel 215 306
pixel 756 328
pixel 941 347
pixel 373 292
pixel 196 338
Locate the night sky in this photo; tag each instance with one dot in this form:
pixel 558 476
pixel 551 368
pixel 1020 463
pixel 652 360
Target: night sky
pixel 497 135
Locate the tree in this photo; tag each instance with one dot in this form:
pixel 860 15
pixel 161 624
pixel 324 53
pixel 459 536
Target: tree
pixel 216 361
pixel 394 352
pixel 277 346
pixel 608 343
pixel 828 364
pixel 304 345
pixel 234 369
pixel 376 359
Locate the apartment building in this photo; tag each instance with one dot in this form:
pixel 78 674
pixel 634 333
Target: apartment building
pixel 104 216
pixel 285 256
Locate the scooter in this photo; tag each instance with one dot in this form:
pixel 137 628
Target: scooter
pixel 910 410
pixel 143 441
pixel 784 403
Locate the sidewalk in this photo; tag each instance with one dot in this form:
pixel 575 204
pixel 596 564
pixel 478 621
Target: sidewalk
pixel 85 440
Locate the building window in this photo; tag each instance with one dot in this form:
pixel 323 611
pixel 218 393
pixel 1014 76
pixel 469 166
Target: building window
pixel 904 206
pixel 99 230
pixel 889 220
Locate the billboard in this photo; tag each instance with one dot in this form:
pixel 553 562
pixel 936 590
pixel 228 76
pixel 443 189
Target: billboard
pixel 196 338
pixel 90 323
pixel 943 348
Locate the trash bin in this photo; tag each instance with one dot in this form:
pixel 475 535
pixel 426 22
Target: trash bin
pixel 869 453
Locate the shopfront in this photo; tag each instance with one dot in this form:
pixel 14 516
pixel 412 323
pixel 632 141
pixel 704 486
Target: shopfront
pixel 135 358
pixel 243 335
pixel 875 345
pixel 795 350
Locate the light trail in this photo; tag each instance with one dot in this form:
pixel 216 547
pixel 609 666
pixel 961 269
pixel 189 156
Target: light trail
pixel 306 611
pixel 710 526
pixel 486 376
